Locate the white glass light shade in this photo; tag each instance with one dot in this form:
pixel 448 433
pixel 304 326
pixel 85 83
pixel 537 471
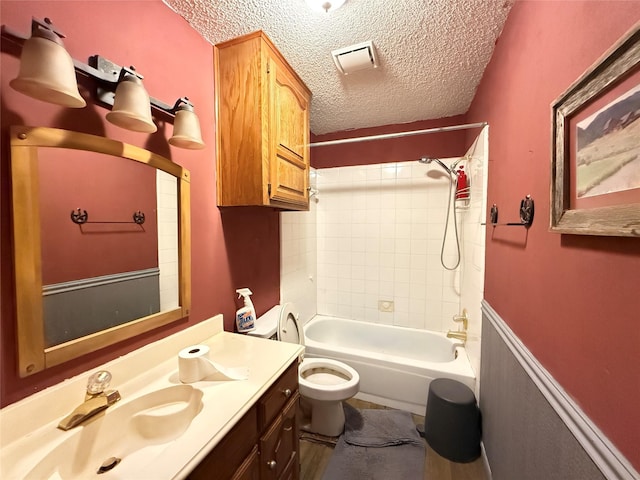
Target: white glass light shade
pixel 47 73
pixel 132 107
pixel 186 130
pixel 325 6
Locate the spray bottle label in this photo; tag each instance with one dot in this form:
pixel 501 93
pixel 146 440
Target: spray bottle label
pixel 245 321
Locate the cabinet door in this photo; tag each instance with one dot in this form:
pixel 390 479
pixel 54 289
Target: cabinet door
pixel 231 454
pixel 289 137
pixel 279 446
pixel 250 468
pixel 242 122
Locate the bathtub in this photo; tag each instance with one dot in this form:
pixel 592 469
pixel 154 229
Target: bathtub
pixel 395 364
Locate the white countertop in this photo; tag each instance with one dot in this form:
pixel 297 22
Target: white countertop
pixel 28 427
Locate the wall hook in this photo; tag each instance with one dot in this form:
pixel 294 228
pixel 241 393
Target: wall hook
pixel 526 214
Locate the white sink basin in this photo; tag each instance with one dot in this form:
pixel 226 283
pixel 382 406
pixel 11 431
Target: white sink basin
pixel 161 429
pixel 127 435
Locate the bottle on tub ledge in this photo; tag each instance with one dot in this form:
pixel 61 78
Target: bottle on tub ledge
pixel 462 184
pixel 245 316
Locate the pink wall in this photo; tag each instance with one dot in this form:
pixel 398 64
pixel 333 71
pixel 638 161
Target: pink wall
pixel 175 61
pixel 573 300
pixel 440 145
pixel 108 189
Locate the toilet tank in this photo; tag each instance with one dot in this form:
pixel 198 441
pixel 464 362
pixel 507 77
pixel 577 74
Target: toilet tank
pixel 267 324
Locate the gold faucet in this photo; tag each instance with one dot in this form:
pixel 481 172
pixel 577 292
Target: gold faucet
pixel 457 335
pixel 96 400
pixel 460 334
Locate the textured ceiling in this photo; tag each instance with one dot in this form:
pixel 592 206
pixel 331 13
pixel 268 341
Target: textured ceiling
pixel 432 53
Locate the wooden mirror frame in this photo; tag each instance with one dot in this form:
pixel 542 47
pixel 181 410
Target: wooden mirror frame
pixel 33 355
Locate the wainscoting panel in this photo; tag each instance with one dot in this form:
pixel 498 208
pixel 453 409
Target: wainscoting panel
pixel 531 429
pixel 75 309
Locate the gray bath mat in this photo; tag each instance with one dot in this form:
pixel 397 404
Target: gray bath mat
pixel 377 445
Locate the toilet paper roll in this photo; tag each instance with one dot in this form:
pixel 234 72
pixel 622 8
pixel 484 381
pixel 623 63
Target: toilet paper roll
pixel 194 365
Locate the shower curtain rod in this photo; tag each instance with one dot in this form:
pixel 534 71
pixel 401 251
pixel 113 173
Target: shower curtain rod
pixel 396 135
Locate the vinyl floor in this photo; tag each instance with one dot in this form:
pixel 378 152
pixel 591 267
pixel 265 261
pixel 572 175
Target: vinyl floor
pixel 315 457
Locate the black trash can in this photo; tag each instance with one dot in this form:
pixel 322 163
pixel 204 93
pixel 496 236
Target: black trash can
pixel 452 421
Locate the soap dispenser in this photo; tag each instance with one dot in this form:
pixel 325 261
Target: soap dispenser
pixel 245 316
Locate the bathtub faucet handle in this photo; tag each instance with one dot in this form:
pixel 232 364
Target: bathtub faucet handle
pixel 462 318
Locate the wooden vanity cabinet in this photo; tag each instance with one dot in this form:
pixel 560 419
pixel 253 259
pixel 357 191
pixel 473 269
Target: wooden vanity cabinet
pixel 250 468
pixel 264 444
pixel 279 445
pixel 262 113
pixel 279 426
pixel 232 457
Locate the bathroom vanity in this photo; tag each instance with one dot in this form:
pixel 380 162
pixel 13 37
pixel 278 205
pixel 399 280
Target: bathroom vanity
pixel 264 443
pixel 163 429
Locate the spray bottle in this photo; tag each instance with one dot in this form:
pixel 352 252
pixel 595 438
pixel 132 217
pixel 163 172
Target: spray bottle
pixel 462 184
pixel 245 316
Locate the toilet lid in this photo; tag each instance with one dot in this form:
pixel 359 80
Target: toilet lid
pixel 288 327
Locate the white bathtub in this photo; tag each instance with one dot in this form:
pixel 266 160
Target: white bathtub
pixel 395 364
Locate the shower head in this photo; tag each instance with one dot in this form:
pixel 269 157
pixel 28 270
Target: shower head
pixel 428 160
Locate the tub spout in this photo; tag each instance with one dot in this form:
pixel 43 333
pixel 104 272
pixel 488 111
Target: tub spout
pixel 458 336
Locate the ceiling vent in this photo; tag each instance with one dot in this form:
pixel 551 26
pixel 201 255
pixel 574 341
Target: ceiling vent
pixel 356 57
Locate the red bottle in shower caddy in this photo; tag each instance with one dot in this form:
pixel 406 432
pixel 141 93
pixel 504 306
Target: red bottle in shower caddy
pixel 462 185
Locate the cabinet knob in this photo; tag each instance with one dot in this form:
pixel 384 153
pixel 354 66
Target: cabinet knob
pixel 287 392
pixel 272 464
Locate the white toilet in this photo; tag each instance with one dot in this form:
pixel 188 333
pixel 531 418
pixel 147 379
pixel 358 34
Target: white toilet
pixel 324 383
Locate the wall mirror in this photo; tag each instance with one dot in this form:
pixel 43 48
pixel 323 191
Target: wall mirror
pixel 101 234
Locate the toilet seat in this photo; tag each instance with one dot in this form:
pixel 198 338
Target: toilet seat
pixel 327 380
pixel 288 327
pixel 319 378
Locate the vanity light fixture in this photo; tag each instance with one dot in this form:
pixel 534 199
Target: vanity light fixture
pixel 47 74
pixel 186 128
pixel 131 104
pixel 46 68
pixel 325 6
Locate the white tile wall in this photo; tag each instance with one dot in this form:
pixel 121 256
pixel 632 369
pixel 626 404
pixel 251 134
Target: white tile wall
pixel 380 232
pixel 167 194
pixel 474 245
pixel 298 264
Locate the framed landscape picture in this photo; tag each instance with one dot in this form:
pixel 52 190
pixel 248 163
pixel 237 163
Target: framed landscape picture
pixel 595 167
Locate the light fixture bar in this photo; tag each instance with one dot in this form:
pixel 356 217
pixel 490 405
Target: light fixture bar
pixel 107 74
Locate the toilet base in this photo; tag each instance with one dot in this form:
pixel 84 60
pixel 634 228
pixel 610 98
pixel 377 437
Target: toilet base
pixel 327 417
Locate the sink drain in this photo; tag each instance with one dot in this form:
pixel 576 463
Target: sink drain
pixel 108 464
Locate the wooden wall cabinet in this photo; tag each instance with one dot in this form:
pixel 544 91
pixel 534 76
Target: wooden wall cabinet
pixel 262 124
pixel 264 444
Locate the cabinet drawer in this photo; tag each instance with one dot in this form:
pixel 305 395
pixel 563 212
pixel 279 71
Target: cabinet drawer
pixel 280 392
pixel 230 453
